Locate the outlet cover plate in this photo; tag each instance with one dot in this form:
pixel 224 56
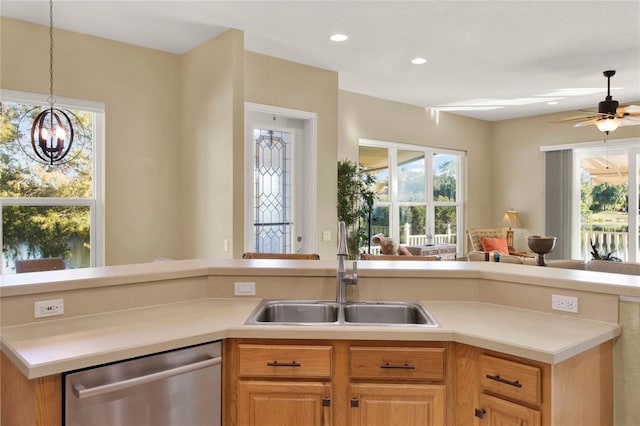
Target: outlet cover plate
pixel 564 303
pixel 48 308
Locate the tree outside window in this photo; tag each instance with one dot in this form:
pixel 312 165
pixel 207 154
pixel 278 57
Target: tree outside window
pixel 47 211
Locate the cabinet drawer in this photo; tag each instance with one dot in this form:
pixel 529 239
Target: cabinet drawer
pixel 511 379
pixel 284 361
pixel 397 363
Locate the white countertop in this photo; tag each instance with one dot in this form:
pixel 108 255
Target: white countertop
pixel 45 348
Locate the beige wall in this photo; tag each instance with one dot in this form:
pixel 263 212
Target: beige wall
pixel 273 81
pixel 518 181
pixel 363 116
pixel 212 135
pixel 173 149
pixel 140 89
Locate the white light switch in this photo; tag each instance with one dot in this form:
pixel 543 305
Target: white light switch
pixel 244 289
pixel 326 235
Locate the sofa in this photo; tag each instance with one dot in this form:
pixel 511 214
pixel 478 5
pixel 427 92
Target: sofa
pixel 627 268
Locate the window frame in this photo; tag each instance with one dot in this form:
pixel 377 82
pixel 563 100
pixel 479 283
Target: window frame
pixel 96 201
pixel 430 204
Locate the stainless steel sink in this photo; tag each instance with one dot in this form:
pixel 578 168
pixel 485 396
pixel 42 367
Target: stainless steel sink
pixel 389 313
pixel 294 312
pixel 309 312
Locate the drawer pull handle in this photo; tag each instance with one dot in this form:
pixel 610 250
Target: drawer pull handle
pixel 284 364
pixel 402 367
pixel 480 412
pixel 497 378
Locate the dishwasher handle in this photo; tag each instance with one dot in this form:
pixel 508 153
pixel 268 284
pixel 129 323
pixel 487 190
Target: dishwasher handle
pixel 81 392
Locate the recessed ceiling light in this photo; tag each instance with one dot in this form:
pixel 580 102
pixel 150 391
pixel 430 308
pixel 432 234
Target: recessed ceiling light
pixel 339 37
pixel 418 61
pixel 552 103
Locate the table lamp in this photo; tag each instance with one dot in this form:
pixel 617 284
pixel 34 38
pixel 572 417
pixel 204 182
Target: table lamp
pixel 512 220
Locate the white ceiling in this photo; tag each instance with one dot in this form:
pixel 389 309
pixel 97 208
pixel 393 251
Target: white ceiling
pixel 480 53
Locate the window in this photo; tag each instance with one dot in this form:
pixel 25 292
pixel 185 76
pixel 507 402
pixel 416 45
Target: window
pixel 419 192
pixel 50 211
pixel 606 193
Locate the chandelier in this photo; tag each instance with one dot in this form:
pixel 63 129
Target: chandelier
pixel 54 130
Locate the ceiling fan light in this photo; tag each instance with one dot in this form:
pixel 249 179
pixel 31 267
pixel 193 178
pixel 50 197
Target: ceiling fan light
pixel 608 125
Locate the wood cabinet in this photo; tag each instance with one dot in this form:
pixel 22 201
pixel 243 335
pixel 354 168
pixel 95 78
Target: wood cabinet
pixel 497 389
pixel 379 404
pixel 267 403
pixel 341 383
pixel 357 383
pixel 25 402
pixel 281 384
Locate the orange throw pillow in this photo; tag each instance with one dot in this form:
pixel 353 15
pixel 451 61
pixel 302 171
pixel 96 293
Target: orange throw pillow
pixel 495 244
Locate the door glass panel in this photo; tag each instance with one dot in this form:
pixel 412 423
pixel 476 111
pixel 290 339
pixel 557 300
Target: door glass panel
pixel 35 232
pixel 272 192
pixel 376 162
pixel 411 177
pixel 444 177
pixel 604 206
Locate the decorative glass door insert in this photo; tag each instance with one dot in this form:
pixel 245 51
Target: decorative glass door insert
pixel 272 218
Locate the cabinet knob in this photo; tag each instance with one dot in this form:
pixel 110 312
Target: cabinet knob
pixel 355 402
pixel 480 412
pixel 326 402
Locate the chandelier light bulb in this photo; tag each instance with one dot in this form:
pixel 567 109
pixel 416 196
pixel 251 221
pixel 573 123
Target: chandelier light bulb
pixel 608 125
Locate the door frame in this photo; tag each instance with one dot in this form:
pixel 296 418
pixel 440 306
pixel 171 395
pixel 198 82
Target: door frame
pixel 307 171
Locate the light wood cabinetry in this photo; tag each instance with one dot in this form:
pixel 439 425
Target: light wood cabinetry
pixel 357 383
pixel 339 383
pixel 281 384
pixel 380 404
pixel 497 389
pixel 284 403
pixel 27 402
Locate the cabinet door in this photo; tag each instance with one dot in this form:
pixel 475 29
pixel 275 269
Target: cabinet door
pixel 396 404
pixel 284 404
pixel 498 412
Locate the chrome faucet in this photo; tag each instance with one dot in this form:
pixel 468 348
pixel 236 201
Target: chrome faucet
pixel 342 279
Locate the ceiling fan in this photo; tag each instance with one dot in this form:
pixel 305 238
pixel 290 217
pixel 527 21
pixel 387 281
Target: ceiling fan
pixel 610 115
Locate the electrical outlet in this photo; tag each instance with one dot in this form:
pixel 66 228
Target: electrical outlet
pixel 244 289
pixel 326 235
pixel 564 303
pixel 48 308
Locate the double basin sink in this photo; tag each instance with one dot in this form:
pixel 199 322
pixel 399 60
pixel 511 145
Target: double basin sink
pixel 309 312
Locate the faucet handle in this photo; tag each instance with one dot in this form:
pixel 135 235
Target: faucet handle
pixel 353 278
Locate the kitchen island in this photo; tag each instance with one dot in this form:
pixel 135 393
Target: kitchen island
pixel 120 312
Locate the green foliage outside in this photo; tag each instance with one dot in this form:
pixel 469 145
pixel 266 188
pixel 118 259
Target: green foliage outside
pixel 603 207
pixel 355 201
pixel 41 231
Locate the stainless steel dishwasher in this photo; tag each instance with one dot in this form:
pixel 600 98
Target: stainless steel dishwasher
pixel 175 388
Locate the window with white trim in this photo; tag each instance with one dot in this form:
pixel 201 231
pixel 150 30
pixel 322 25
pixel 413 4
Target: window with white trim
pixel 50 211
pixel 419 192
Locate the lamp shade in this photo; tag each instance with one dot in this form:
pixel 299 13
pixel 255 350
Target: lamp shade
pixel 511 219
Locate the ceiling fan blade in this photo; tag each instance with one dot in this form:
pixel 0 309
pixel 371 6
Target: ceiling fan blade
pixel 580 118
pixel 587 122
pixel 628 109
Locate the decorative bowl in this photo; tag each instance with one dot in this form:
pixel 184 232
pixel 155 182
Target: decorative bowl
pixel 541 246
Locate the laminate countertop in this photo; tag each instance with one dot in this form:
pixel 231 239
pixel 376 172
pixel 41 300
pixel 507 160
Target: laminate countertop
pixel 52 347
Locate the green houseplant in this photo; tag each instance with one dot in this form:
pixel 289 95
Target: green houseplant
pixel 596 255
pixel 355 202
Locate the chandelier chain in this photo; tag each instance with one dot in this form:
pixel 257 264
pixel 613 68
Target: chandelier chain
pixel 51 98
